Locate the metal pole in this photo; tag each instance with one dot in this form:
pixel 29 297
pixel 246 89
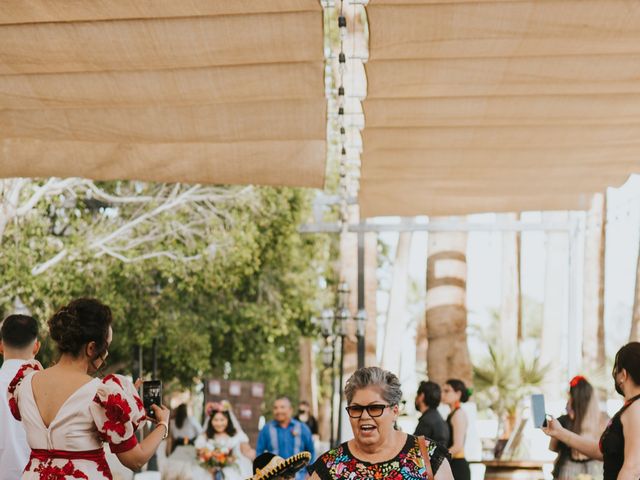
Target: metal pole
pixel 361 305
pixel 333 394
pixel 340 389
pixel 154 365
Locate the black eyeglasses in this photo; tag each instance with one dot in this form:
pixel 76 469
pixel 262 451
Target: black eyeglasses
pixel 375 410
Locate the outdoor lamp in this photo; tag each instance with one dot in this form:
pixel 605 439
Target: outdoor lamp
pixel 326 322
pixel 343 317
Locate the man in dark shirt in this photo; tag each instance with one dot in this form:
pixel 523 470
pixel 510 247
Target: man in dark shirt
pixel 431 424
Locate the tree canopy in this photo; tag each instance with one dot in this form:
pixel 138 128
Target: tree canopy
pixel 220 277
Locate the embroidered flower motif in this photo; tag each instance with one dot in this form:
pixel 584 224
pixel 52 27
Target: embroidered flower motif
pixel 117 410
pixel 15 411
pixel 13 385
pixel 48 471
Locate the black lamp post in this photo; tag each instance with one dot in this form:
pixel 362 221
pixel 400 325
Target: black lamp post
pixel 334 328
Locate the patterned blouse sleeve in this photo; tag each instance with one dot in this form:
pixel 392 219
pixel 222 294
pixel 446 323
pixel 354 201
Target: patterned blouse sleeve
pixel 117 412
pixel 13 391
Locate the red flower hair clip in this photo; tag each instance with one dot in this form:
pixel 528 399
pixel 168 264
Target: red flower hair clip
pixel 576 380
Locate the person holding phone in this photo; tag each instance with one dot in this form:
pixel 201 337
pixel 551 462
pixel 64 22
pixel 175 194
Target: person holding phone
pixel 584 418
pixel 68 413
pixel 619 445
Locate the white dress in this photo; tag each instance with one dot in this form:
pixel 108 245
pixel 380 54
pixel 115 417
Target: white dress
pixel 183 464
pixel 72 445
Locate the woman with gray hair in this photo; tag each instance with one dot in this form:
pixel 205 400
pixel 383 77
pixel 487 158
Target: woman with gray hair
pixel 378 450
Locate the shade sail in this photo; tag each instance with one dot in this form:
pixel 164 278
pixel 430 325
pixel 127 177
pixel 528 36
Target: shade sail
pixel 204 91
pixel 489 105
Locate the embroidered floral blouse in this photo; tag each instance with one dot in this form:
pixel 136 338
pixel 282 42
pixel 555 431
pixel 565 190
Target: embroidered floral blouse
pixel 340 464
pixel 107 410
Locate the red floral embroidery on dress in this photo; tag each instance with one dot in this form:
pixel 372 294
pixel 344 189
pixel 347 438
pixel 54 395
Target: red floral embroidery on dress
pixel 117 410
pixel 48 471
pixel 22 372
pixel 112 378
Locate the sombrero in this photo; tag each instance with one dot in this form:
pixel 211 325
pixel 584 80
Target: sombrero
pixel 277 466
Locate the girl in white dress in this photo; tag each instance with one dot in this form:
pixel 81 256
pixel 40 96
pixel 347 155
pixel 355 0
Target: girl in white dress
pixel 224 432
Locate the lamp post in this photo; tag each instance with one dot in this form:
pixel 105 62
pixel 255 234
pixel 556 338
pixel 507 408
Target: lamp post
pixel 334 328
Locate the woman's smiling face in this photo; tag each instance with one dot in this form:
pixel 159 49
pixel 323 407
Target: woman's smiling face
pixel 368 430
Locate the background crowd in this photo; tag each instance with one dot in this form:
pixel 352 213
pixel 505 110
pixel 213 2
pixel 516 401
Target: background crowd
pixel 56 420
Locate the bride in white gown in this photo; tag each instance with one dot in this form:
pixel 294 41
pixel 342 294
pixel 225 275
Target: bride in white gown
pixel 223 431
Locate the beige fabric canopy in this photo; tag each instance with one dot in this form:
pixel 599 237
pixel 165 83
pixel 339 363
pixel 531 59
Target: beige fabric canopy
pixel 489 105
pixel 211 91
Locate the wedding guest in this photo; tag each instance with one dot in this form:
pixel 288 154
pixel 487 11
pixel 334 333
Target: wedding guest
pixel 18 344
pixel 619 445
pixel 431 424
pixel 305 416
pixel 583 418
pixel 378 450
pixel 184 428
pixel 455 393
pixel 68 413
pixel 285 436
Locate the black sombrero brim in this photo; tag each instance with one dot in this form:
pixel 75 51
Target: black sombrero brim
pixel 284 468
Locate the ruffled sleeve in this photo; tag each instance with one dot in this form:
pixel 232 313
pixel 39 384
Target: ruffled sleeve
pixel 117 412
pixel 13 391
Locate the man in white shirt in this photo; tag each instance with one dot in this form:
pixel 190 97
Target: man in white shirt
pixel 18 343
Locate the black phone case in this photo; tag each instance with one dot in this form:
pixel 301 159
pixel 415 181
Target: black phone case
pixel 151 395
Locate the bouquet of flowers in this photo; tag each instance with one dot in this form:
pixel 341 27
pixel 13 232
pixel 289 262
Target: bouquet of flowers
pixel 214 457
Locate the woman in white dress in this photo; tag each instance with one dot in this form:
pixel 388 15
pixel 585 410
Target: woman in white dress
pixel 68 414
pixel 224 433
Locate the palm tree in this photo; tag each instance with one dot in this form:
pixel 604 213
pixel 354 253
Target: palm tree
pixel 502 380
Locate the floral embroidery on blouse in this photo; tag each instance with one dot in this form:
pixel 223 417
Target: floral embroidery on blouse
pixel 340 464
pixel 28 367
pixel 117 411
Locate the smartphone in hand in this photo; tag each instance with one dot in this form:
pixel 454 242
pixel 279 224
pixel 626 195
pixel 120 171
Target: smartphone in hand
pixel 538 410
pixel 151 395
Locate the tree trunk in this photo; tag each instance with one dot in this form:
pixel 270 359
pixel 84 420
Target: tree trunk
pixel 446 313
pixel 556 305
pixel 593 353
pixel 634 333
pixel 510 312
pixel 397 316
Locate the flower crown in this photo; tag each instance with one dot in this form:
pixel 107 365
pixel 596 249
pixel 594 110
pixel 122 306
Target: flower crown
pixel 576 380
pixel 215 407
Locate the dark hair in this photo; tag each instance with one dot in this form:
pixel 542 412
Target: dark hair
pixel 18 331
pixel 581 393
pixel 628 358
pixel 230 430
pixel 304 402
pixel 432 394
pixel 283 398
pixel 459 386
pixel 181 415
pixel 82 321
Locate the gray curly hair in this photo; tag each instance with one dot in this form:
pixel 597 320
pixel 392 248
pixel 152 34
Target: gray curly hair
pixel 386 381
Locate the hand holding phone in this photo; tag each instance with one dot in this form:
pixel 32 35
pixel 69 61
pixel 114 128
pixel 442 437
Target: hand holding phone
pixel 151 395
